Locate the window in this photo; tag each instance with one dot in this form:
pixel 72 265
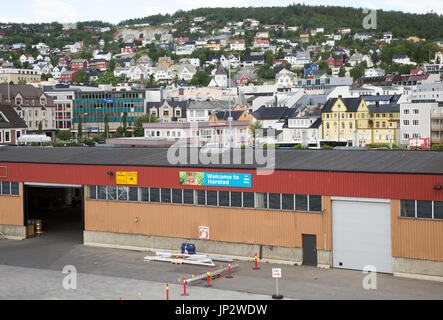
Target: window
pixel 133 194
pixel 287 201
pixel 261 200
pixel 92 192
pixel 407 208
pixel 212 198
pixel 201 197
pixel 248 199
pixel 165 195
pixel 315 203
pixel 122 193
pixel 144 193
pixel 301 202
pixel 274 201
pixel 438 209
pixel 223 198
pixel 177 196
pixel 111 192
pixel 154 195
pixel 424 209
pixel 188 196
pixel 236 199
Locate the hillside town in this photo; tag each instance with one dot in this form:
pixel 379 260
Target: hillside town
pixel 310 93
pixel 143 158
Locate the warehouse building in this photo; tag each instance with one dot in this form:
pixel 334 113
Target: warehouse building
pixel 328 208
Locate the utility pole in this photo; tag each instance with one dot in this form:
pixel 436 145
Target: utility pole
pixel 230 107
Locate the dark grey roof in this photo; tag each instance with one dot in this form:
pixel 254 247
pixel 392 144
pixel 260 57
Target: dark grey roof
pixel 350 103
pixel 224 114
pixel 371 161
pixel 9 119
pixel 269 113
pixel 384 108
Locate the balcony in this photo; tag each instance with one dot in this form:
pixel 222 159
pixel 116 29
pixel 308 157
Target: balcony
pixel 437 127
pixel 437 140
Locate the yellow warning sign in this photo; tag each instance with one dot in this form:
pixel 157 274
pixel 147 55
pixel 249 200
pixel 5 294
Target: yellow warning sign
pixel 127 178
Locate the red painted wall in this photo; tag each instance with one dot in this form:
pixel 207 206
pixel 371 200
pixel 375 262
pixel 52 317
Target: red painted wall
pixel 366 185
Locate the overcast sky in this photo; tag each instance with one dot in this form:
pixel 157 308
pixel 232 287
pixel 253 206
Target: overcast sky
pixel 114 11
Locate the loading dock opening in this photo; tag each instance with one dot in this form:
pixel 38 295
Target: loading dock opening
pixel 59 207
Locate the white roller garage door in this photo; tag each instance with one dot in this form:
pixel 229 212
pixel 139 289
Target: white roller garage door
pixel 361 234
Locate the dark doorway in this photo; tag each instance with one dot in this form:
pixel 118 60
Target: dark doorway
pixel 60 210
pixel 309 249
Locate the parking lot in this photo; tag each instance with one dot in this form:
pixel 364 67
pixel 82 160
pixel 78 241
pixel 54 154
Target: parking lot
pixel 32 269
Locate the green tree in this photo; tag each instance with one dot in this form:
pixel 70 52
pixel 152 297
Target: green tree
pixel 254 129
pixel 81 76
pixel 64 135
pixel 138 124
pixel 342 72
pixel 46 76
pixel 80 129
pixel 201 79
pixel 40 127
pixel 125 124
pixel 358 71
pixel 106 126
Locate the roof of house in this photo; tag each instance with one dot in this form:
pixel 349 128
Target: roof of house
pixel 371 161
pixel 224 114
pixel 9 119
pixel 350 103
pixel 269 113
pixel 25 90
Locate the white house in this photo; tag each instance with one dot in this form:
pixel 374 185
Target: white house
pixel 237 45
pixel 285 78
pixel 402 59
pixel 97 54
pixel 186 72
pixel 374 72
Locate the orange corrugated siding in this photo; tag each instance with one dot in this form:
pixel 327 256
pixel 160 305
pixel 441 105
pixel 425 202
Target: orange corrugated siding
pixel 415 238
pixel 11 209
pixel 266 227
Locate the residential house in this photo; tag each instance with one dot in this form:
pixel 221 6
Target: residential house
pixel 253 61
pixel 32 105
pixel 232 60
pixel 164 62
pixel 220 79
pixel 99 64
pixel 128 48
pixel 309 68
pixel 285 78
pixel 162 74
pixel 245 76
pixel 402 59
pixel 97 54
pixel 8 75
pixel 213 45
pixel 78 64
pixel 168 110
pixel 261 43
pixel 201 110
pixel 237 45
pixel 186 72
pixel 67 76
pixel 144 61
pixel 26 58
pixel 354 121
pixel 302 126
pixel 12 126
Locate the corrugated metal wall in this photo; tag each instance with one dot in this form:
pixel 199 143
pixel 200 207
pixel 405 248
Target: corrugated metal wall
pixel 365 185
pixel 11 209
pixel 415 238
pixel 266 227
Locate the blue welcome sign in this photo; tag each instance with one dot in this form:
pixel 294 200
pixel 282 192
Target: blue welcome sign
pixel 228 179
pixel 215 179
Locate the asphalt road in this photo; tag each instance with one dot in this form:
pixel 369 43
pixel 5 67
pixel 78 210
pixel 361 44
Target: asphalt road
pixel 113 273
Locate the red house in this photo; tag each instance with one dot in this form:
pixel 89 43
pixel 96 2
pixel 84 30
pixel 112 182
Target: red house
pixel 100 64
pixel 68 76
pixel 78 64
pixel 128 48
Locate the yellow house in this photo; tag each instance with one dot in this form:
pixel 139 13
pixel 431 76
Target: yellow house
pixel 352 120
pixel 213 45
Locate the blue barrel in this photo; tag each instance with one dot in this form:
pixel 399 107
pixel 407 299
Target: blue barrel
pixel 188 248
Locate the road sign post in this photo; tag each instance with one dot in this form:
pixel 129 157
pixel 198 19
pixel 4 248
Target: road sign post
pixel 276 273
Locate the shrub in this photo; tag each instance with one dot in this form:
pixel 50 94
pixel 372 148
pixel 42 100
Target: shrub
pixel 437 147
